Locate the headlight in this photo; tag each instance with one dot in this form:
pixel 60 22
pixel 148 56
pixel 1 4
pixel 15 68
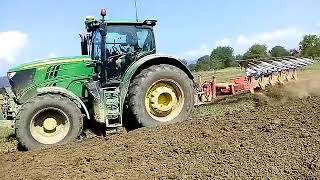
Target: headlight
pixel 11 74
pixel 20 80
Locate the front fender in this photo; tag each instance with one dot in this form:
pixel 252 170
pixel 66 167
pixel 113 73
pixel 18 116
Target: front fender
pixel 144 63
pixel 64 92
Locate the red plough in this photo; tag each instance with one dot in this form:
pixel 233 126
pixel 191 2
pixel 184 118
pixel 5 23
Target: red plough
pixel 259 74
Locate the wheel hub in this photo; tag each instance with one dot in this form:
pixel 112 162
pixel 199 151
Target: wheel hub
pixel 163 99
pixel 50 124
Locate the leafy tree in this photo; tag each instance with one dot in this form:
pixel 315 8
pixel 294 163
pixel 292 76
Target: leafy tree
pixel 222 57
pixel 239 57
pixel 256 51
pixel 310 46
pixel 279 51
pixel 295 52
pixel 203 58
pixel 192 67
pixel 203 64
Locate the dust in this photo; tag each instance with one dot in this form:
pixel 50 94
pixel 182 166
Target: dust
pixel 307 86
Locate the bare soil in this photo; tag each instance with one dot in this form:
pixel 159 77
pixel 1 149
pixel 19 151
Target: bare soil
pixel 277 140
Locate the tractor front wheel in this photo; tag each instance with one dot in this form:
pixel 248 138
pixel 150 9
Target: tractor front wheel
pixel 161 94
pixel 47 121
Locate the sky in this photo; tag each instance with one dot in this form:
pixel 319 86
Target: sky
pixel 37 29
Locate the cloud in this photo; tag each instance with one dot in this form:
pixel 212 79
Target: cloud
pixel 276 36
pixel 223 42
pixel 52 55
pixel 288 37
pixel 11 44
pixel 196 53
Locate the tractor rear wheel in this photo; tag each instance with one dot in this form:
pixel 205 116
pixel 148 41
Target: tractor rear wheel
pixel 47 121
pixel 161 94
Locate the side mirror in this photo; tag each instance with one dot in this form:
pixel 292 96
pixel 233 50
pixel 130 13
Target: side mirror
pixel 84 45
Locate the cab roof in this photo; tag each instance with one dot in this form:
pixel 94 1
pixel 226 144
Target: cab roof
pixel 132 22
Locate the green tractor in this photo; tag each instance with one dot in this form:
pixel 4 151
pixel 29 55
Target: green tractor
pixel 119 72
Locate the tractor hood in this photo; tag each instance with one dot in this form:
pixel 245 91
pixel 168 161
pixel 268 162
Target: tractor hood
pixel 50 61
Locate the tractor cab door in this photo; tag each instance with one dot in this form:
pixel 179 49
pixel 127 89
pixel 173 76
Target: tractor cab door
pixel 125 44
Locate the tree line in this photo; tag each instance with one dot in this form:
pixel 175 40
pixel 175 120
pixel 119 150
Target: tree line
pixel 223 56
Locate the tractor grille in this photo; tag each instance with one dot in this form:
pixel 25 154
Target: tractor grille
pixel 52 72
pixel 21 79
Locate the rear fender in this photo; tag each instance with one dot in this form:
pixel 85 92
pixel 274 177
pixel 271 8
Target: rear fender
pixel 144 63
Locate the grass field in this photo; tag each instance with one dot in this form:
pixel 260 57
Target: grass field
pixel 221 75
pixel 224 75
pixel 310 70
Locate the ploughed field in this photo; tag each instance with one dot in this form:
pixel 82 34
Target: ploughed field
pixel 276 138
pixel 269 135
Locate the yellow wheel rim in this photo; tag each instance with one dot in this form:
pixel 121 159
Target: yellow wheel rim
pixel 49 126
pixel 164 100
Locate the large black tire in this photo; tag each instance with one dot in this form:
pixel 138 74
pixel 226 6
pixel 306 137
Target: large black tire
pixel 145 80
pixel 35 111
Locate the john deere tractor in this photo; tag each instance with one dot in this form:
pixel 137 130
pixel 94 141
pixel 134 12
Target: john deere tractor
pixel 119 71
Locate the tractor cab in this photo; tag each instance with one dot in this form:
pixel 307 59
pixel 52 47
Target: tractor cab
pixel 117 44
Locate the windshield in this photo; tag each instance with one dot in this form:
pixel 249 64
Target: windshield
pixel 123 39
